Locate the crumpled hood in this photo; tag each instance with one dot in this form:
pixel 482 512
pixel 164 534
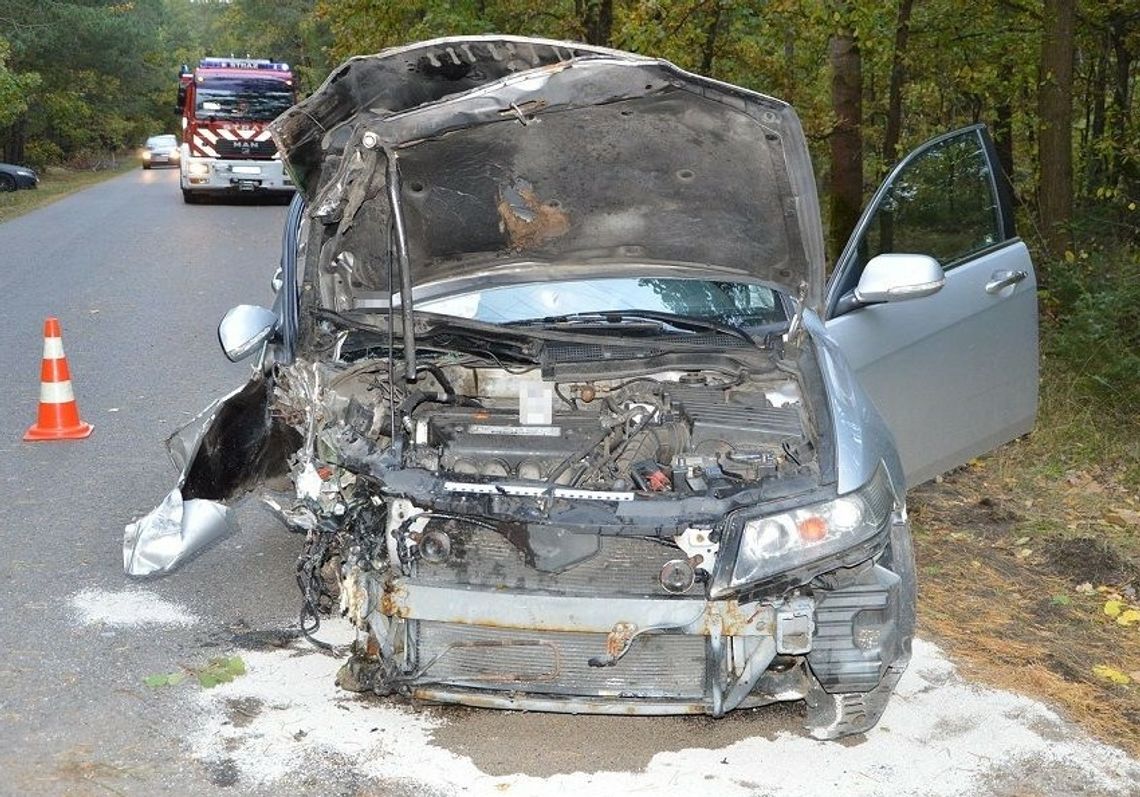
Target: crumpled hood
pixel 500 154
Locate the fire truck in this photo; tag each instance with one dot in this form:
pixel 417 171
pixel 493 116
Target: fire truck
pixel 226 104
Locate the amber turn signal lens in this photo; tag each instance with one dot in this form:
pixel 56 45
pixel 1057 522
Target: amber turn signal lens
pixel 812 529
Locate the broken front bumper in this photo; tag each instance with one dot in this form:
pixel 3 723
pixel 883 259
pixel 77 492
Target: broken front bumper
pixel 528 650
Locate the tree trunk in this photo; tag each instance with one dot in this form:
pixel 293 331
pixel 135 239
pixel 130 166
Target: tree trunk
pixel 1003 139
pixel 1096 165
pixel 15 140
pixel 1123 171
pixel 1055 115
pixel 597 19
pixel 894 92
pixel 847 138
pixel 709 50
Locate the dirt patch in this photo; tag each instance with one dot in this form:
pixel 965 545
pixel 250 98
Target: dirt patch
pixel 497 741
pixel 1090 559
pixel 242 711
pixel 224 773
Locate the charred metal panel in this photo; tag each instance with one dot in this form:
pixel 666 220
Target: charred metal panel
pixel 403 78
pixel 671 178
pixel 241 447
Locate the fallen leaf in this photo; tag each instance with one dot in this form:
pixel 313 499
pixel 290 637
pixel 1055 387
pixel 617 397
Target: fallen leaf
pixel 1086 589
pixel 1111 674
pixel 221 671
pixel 1021 541
pixel 164 679
pixel 1024 552
pixel 1128 617
pixel 1061 600
pixel 1113 608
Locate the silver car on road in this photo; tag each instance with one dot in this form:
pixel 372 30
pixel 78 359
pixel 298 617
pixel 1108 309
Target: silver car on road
pixel 573 418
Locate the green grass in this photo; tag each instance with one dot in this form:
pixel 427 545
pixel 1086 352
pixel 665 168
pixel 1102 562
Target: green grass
pixel 56 183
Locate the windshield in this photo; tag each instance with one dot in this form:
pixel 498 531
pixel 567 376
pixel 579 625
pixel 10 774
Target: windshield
pixel 248 99
pixel 161 141
pixel 736 303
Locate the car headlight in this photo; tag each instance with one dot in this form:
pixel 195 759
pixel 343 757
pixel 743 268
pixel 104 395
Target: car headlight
pixel 146 154
pixel 796 537
pixel 199 169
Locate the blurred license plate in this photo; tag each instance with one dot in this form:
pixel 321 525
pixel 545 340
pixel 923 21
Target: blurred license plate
pixel 247 170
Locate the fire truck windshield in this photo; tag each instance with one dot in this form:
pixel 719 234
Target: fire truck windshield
pixel 249 99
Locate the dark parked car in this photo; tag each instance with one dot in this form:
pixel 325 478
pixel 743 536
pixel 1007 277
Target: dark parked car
pixel 13 177
pixel 160 151
pixel 573 418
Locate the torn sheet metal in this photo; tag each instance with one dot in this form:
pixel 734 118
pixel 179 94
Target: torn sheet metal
pixel 223 452
pixel 173 532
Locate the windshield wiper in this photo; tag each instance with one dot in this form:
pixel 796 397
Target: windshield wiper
pixel 676 320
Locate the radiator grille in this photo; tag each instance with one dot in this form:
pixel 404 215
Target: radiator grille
pixel 484 558
pixel 658 665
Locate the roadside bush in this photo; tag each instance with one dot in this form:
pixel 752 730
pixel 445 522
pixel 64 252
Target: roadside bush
pixel 93 160
pixel 1092 325
pixel 40 153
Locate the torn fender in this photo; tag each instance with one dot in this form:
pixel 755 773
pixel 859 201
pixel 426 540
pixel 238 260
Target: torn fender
pixel 228 449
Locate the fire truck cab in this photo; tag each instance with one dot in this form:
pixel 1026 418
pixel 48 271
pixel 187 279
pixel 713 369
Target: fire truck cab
pixel 226 105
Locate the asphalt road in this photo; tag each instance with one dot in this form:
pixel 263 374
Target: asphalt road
pixel 139 281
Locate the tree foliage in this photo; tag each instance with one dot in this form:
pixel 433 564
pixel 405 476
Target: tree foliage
pixel 77 75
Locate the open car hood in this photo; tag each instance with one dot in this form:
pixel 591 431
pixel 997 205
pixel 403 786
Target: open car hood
pixel 493 155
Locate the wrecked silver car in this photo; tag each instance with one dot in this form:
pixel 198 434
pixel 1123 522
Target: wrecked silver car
pixel 573 419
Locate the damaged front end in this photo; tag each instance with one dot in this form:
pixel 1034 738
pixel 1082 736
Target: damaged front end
pixel 560 433
pixel 666 542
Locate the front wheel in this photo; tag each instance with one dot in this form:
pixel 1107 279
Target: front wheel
pixel 7 182
pixel 191 198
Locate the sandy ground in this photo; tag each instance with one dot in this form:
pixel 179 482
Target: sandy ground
pixel 284 727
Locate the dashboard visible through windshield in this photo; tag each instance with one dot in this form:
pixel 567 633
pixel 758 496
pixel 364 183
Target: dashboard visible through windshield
pixel 741 304
pixel 252 99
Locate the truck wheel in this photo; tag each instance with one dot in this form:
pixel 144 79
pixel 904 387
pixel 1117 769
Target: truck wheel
pixel 190 198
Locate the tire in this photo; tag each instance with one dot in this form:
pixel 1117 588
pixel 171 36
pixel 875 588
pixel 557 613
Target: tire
pixel 146 165
pixel 190 198
pixel 7 183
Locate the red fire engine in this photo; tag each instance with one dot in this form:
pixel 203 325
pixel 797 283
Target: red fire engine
pixel 226 104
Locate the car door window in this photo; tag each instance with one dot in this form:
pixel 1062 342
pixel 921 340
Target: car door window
pixel 942 201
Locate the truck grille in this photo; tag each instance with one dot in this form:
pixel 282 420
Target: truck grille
pixel 657 665
pixel 245 148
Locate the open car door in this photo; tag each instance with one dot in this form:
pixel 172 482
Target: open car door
pixel 954 373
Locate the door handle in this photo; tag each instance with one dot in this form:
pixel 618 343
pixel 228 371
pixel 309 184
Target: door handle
pixel 1000 280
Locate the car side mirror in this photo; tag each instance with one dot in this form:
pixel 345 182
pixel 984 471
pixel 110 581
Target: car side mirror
pixel 896 277
pixel 244 328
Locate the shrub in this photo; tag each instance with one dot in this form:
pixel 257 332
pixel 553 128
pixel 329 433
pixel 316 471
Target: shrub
pixel 40 153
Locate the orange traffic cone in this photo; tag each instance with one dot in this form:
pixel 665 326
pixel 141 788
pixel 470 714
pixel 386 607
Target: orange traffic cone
pixel 59 414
